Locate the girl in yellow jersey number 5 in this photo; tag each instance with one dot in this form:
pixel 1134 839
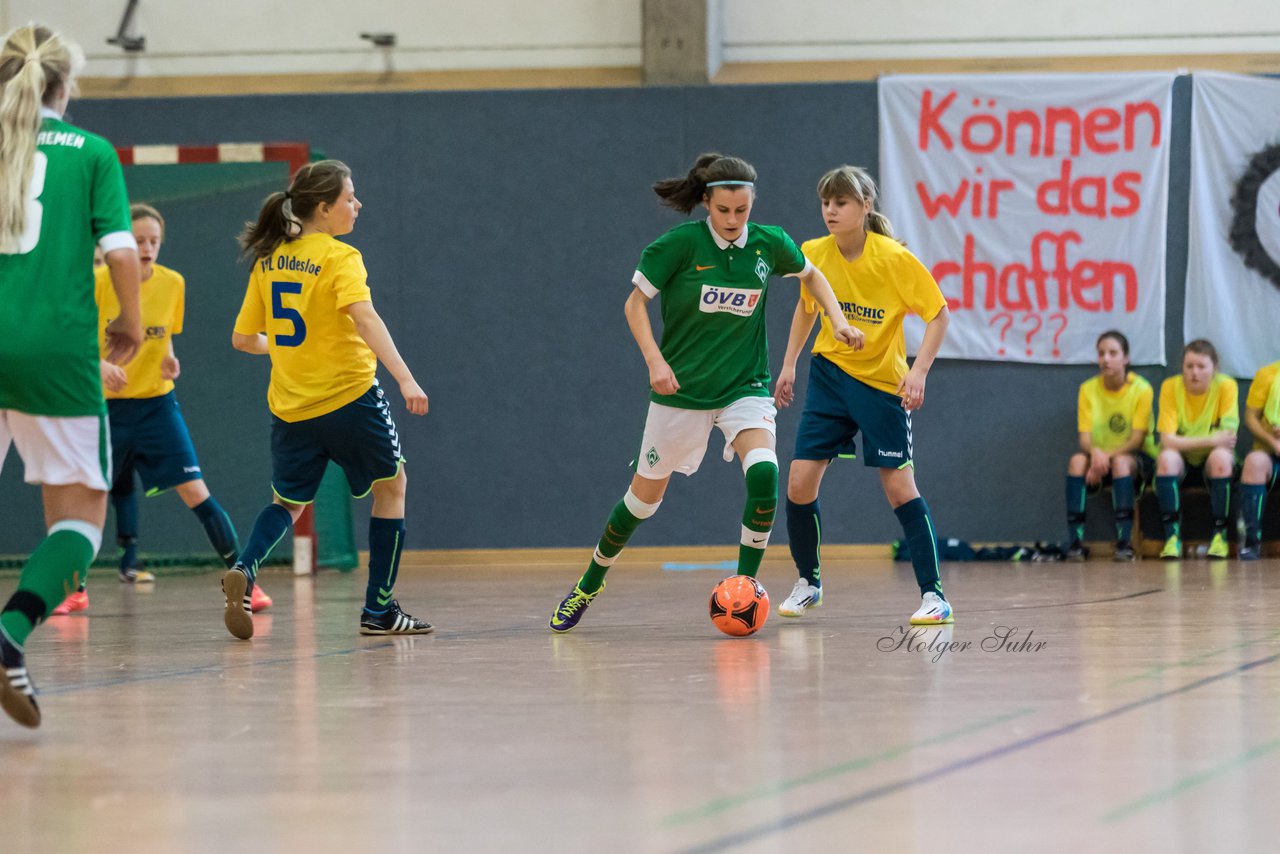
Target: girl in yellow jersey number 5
pixel 309 307
pixel 869 391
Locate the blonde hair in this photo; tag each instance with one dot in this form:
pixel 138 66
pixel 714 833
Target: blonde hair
pixel 35 64
pixel 853 182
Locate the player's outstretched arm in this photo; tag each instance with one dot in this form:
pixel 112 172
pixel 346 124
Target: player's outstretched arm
pixel 661 378
pixel 801 325
pixel 255 343
pixel 820 288
pixel 912 386
pixel 370 327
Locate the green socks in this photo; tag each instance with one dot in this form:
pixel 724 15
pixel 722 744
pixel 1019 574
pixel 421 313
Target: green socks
pixel 626 516
pixel 761 469
pixel 52 572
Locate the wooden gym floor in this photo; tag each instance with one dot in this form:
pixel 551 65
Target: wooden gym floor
pixel 1126 707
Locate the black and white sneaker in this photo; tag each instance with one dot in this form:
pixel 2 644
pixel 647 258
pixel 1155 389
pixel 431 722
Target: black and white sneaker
pixel 393 621
pixel 17 694
pixel 238 612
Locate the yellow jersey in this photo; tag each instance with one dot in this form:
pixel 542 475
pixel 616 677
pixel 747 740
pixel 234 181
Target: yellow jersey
pixel 1196 415
pixel 1110 417
pixel 163 298
pixel 319 362
pixel 1264 395
pixel 875 292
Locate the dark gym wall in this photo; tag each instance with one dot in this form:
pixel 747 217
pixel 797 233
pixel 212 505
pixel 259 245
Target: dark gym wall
pixel 500 230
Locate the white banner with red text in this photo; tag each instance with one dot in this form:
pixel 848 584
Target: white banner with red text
pixel 1233 256
pixel 1039 204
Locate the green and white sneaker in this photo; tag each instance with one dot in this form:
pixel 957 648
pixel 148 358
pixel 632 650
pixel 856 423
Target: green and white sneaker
pixel 1218 546
pixel 571 609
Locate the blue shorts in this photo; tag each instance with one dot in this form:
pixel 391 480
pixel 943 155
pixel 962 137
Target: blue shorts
pixel 148 436
pixel 360 437
pixel 837 407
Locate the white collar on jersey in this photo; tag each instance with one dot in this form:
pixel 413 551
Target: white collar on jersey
pixel 741 242
pixel 46 113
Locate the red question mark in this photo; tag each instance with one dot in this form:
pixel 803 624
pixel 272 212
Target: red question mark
pixel 1058 334
pixel 1008 317
pixel 1033 330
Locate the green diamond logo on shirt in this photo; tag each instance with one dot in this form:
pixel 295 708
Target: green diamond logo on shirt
pixel 762 269
pixel 652 457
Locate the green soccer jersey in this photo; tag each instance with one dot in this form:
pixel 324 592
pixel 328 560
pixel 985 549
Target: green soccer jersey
pixel 49 324
pixel 713 308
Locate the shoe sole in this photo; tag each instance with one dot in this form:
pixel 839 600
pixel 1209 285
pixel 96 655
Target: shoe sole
pixel 428 630
pixel 795 614
pixel 18 706
pixel 239 623
pixel 922 622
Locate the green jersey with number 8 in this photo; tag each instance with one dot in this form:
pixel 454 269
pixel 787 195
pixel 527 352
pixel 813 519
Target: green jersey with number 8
pixel 49 326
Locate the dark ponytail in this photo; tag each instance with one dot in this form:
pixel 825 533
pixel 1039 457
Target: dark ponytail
pixel 684 194
pixel 282 214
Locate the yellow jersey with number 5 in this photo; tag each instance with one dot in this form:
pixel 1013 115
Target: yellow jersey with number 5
pixel 296 296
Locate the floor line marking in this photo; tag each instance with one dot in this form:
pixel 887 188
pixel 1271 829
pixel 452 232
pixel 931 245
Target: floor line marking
pixel 752 834
pixel 1190 782
pixel 727 802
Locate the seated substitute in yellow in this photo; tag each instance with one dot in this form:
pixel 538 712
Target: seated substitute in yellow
pixel 1199 416
pixel 1262 465
pixel 1116 448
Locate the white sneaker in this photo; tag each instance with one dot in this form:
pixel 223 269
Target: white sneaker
pixel 934 611
pixel 803 595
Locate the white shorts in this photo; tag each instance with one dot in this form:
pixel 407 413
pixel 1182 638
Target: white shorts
pixel 675 440
pixel 59 451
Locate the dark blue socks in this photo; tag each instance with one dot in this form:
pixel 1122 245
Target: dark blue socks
pixel 1253 496
pixel 917 526
pixel 1075 509
pixel 1122 501
pixel 218 527
pixel 804 530
pixel 268 530
pixel 1170 505
pixel 126 507
pixel 386 542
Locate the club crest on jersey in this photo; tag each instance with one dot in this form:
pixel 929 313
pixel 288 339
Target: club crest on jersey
pixel 739 301
pixel 762 270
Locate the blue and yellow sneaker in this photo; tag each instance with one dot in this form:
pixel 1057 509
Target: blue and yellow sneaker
pixel 1172 548
pixel 571 609
pixel 934 611
pixel 1218 546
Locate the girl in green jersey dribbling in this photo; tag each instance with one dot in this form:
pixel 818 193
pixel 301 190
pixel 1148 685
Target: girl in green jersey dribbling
pixel 712 367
